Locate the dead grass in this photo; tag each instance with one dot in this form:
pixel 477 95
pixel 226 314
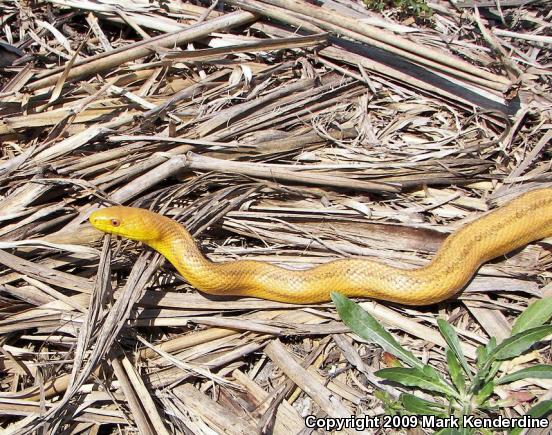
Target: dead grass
pixel 276 130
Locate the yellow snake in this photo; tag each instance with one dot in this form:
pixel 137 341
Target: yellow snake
pixel 522 220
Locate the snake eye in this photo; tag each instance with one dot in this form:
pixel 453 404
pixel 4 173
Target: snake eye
pixel 115 222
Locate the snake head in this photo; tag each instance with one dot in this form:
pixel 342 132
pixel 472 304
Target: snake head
pixel 132 223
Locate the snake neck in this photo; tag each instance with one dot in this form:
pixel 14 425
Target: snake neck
pixel 179 248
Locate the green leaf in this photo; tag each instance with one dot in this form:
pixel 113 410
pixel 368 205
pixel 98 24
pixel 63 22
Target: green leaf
pixel 450 336
pixel 412 377
pixel 491 345
pixel 483 352
pixel 536 314
pixel 366 326
pixel 519 343
pixel 495 367
pixel 455 372
pixel 431 373
pixel 484 393
pixel 390 405
pixel 540 410
pixel 484 365
pixel 420 406
pixel 485 374
pixel 538 371
pixel 481 356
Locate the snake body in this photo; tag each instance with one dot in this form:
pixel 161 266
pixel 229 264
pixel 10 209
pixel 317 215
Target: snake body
pixel 521 221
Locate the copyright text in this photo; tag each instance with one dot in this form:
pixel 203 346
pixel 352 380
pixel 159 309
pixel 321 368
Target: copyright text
pixel 423 421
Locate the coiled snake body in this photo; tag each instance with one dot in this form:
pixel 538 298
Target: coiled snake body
pixel 522 220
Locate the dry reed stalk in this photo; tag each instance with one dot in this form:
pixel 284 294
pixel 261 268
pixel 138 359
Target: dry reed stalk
pixel 140 49
pixel 335 22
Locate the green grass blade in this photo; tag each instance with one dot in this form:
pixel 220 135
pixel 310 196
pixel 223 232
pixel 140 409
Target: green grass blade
pixel 367 327
pixel 420 406
pixel 450 336
pixel 484 393
pixel 538 371
pixel 412 377
pixel 519 343
pixel 541 409
pixel 536 314
pixel 455 371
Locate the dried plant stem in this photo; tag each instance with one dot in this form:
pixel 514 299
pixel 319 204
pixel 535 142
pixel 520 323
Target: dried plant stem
pixel 114 58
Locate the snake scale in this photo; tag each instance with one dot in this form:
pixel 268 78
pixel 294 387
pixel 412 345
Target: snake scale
pixel 520 221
